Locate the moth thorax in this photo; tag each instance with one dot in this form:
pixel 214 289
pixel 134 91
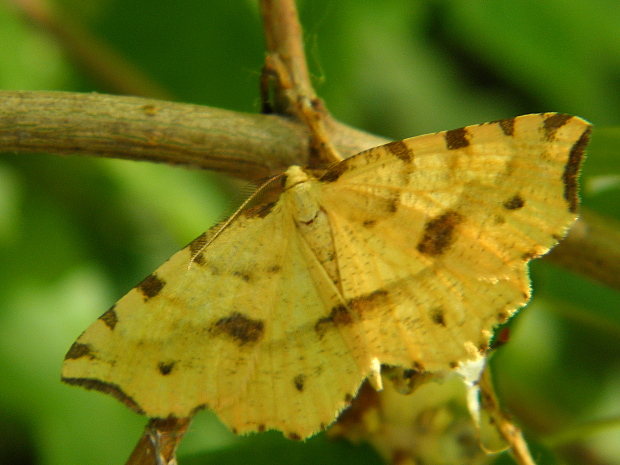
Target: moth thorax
pixel 300 190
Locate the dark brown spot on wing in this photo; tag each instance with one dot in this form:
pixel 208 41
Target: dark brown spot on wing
pixel 335 172
pixel 107 388
pixel 274 269
pixel 419 367
pixel 259 211
pixel 438 316
pixel 151 286
pixel 357 307
pixel 196 247
pixel 400 149
pixel 239 328
pixel 571 171
pixel 393 203
pixel 364 304
pixel 165 368
pixel 339 316
pixel 515 203
pixel 348 398
pixel 262 428
pixel 483 346
pixel 299 381
pixel 507 126
pixel 552 123
pixel 531 254
pixel 439 233
pixel 453 364
pixel 110 318
pixel 79 350
pixel 294 436
pixel 369 223
pixel 243 275
pixel 457 138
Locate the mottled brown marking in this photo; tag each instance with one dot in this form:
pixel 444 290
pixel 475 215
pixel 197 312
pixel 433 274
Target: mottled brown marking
pixel 107 388
pixel 259 211
pixel 400 149
pixel 438 316
pixel 151 286
pixel 369 223
pixel 483 346
pixel 502 316
pixel 343 315
pixel 340 316
pixel 457 138
pixel 299 381
pixel 165 368
pixel 507 126
pixel 204 406
pixel 530 255
pixel 453 364
pixel 393 203
pixel 552 123
pixel 79 350
pixel 294 436
pixel 110 318
pixel 244 276
pixel 234 431
pixel 366 303
pixel 262 428
pixel 515 203
pixel 348 398
pixel 274 269
pixel 571 171
pixel 498 219
pixel 419 366
pixel 240 328
pixel 196 247
pixel 335 172
pixel 439 233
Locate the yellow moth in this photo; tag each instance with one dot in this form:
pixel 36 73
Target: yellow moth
pixel 406 254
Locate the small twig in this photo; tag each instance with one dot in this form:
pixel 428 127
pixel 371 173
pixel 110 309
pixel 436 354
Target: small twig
pixel 283 37
pixel 293 94
pixel 159 442
pixel 509 431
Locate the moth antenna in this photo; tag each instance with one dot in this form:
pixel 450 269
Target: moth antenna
pixel 234 216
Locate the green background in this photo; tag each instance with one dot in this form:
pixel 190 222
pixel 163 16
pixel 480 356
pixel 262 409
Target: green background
pixel 77 233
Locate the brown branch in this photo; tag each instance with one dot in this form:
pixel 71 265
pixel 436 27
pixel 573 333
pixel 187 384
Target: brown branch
pixel 592 248
pixel 247 146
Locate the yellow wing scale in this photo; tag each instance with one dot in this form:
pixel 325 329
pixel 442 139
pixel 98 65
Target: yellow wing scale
pixel 407 254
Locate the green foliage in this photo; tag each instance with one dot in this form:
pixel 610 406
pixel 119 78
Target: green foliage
pixel 76 234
